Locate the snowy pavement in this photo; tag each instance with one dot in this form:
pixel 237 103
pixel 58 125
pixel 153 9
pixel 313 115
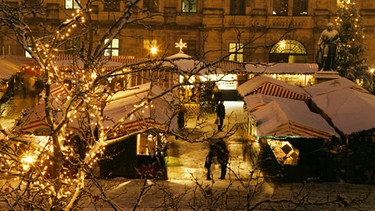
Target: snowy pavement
pixel 187 189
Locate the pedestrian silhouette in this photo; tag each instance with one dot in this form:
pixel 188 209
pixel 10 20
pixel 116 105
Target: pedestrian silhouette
pixel 219 151
pixel 208 164
pixel 220 112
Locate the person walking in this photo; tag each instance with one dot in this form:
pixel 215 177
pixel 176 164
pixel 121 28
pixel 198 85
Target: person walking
pixel 222 157
pixel 208 163
pixel 220 112
pixel 181 117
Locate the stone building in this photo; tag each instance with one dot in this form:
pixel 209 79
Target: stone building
pixel 269 30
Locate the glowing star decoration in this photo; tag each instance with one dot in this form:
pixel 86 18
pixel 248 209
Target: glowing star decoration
pixel 181 45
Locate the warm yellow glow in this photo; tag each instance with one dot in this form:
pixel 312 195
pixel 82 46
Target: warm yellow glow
pixel 27 161
pixel 154 50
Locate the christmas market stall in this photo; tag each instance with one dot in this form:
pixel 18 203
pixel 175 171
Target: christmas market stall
pixel 144 126
pixel 197 85
pixel 293 136
pixel 269 86
pixel 135 120
pixel 351 111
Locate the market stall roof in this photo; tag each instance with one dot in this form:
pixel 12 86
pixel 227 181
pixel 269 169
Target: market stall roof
pixel 265 85
pixel 129 108
pixel 332 86
pixel 10 65
pixel 282 68
pixel 349 110
pixel 291 118
pixel 188 64
pixel 348 106
pixel 119 108
pixel 257 101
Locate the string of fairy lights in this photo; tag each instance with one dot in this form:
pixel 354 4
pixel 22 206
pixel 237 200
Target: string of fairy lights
pixel 80 95
pixel 34 161
pixel 349 6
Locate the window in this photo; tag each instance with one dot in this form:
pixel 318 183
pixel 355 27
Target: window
pixel 71 4
pixel 189 5
pixel 151 5
pixel 113 48
pixel 237 7
pixel 146 144
pixel 300 7
pixel 288 51
pixel 112 5
pixel 280 7
pixel 236 52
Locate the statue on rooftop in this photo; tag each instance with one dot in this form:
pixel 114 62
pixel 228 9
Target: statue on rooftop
pixel 328 42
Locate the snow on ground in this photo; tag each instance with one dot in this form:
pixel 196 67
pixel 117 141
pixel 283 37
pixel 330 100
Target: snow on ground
pixel 187 183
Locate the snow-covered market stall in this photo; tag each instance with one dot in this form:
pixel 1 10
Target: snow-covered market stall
pixel 135 120
pixel 351 111
pixel 291 134
pixel 269 86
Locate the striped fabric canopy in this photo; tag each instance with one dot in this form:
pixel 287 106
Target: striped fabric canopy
pixel 269 86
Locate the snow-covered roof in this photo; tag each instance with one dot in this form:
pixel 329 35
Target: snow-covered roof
pixel 254 102
pixel 282 68
pixel 349 110
pixel 129 108
pixel 119 108
pixel 187 63
pixel 269 86
pixel 291 118
pixel 332 86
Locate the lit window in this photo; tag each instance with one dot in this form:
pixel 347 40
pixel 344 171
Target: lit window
pixel 189 5
pixel 300 7
pixel 71 4
pixel 236 52
pixel 112 5
pixel 113 48
pixel 280 7
pixel 237 7
pixel 146 144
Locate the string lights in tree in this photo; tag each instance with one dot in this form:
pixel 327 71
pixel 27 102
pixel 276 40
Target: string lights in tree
pixel 351 61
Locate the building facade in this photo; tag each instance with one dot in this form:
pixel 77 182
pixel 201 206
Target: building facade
pixel 250 31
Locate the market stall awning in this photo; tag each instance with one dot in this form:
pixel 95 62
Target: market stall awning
pixel 257 101
pixel 348 106
pixel 126 108
pixel 349 110
pixel 332 86
pixel 187 64
pixel 291 118
pixel 129 108
pixel 282 68
pixel 269 86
